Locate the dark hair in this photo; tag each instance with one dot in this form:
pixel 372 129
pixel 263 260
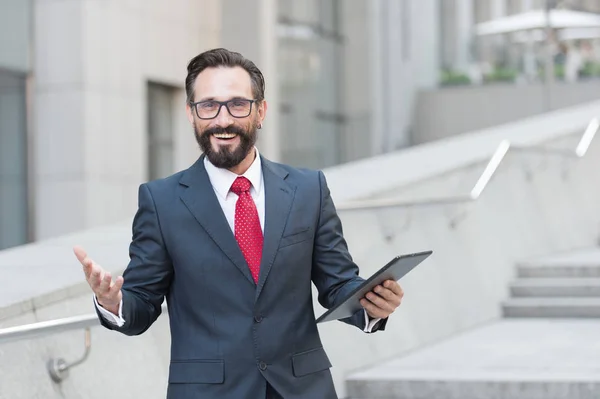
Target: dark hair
pixel 221 57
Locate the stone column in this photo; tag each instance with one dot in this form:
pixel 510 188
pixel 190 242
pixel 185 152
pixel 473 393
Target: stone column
pixel 464 33
pixel 498 8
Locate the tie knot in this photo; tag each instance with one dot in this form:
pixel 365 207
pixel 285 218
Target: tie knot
pixel 241 185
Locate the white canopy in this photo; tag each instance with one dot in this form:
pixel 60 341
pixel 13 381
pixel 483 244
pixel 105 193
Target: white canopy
pixel 559 19
pixel 566 34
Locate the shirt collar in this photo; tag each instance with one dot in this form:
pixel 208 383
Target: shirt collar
pixel 222 179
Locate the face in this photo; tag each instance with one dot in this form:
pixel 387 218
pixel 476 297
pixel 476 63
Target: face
pixel 226 140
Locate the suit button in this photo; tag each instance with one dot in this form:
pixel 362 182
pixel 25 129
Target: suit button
pixel 258 318
pixel 262 366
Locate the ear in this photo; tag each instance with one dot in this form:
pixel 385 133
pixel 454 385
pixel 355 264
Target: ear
pixel 262 110
pixel 190 113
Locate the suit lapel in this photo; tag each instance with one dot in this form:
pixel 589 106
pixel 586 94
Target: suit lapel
pixel 202 202
pixel 279 196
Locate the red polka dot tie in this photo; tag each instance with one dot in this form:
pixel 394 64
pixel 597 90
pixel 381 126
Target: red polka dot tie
pixel 247 226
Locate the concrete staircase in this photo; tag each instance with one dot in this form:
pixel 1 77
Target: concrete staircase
pixel 546 347
pixel 560 287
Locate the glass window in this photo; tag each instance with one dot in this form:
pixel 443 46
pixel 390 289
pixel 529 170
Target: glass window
pixel 13 161
pixel 309 82
pixel 406 29
pixel 448 31
pixel 305 11
pixel 328 17
pixel 15 28
pixel 160 130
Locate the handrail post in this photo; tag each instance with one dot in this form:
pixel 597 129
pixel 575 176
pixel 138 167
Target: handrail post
pixel 492 166
pixel 58 368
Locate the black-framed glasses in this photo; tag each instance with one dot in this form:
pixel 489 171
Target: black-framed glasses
pixel 237 107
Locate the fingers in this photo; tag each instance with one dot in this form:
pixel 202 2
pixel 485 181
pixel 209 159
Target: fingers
pixel 100 281
pixel 380 302
pixel 389 295
pixel 395 287
pixel 86 262
pixel 373 310
pixel 108 291
pixel 383 300
pixel 117 285
pixel 95 277
pixel 79 253
pixel 105 284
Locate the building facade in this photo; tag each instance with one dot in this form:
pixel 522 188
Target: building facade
pixel 92 96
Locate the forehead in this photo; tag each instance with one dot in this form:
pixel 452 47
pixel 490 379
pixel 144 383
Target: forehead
pixel 223 83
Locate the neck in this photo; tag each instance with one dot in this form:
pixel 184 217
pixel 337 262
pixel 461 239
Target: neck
pixel 243 166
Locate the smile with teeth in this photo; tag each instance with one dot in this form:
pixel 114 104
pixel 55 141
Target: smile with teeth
pixel 225 136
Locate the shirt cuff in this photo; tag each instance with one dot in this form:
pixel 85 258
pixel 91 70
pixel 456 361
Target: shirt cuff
pixel 369 325
pixel 108 316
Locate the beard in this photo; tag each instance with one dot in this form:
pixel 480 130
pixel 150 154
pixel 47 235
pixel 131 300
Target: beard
pixel 226 156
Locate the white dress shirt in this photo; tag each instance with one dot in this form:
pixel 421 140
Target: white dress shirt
pixel 221 181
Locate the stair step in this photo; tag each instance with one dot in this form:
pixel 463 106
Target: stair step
pixel 507 359
pixel 559 270
pixel 567 307
pixel 556 287
pixel 455 388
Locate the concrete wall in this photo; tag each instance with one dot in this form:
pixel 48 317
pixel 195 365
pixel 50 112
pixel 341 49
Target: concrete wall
pixel 92 62
pixel 536 204
pixel 446 112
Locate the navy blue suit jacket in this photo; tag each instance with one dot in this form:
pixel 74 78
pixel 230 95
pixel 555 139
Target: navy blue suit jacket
pixel 230 336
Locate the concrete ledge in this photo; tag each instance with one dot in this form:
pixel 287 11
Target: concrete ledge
pixel 414 164
pixel 47 271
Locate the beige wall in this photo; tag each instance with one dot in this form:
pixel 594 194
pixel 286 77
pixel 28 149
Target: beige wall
pixel 92 62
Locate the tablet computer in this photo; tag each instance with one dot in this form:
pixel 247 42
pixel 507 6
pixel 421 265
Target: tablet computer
pixel 395 269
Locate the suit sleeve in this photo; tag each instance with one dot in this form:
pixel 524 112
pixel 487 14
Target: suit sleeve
pixel 334 272
pixel 148 276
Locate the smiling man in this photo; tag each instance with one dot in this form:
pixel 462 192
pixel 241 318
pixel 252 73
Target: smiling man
pixel 233 243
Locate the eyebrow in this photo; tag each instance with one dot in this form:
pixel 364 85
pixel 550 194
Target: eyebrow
pixel 214 99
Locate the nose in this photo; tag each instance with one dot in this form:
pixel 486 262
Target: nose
pixel 223 119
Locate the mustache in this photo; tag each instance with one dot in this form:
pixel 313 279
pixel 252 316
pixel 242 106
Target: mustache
pixel 230 129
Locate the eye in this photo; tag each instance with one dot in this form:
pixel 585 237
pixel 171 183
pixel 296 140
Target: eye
pixel 208 105
pixel 239 103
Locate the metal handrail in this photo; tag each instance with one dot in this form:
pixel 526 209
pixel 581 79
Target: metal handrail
pixel 43 328
pixel 58 368
pixel 492 166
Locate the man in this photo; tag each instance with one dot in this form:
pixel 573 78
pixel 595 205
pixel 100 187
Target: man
pixel 233 244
